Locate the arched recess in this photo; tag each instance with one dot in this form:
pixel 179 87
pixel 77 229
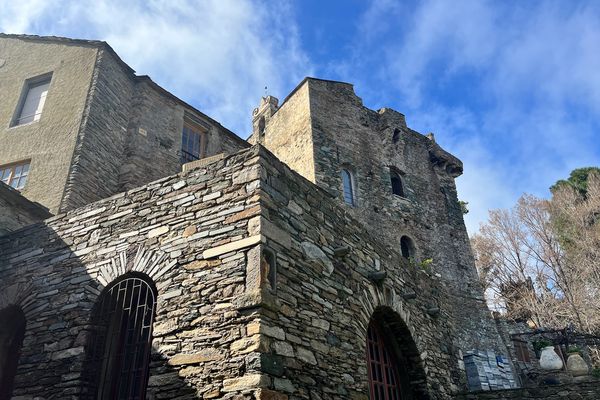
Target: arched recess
pixel 12 333
pixel 395 368
pixel 407 247
pixel 120 339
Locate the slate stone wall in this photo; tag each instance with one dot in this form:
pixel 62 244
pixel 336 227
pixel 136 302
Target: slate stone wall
pixel 16 211
pixel 586 390
pixel 131 135
pixel 94 172
pixel 326 295
pixel 188 233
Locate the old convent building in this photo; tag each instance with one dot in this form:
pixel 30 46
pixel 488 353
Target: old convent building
pixel 147 252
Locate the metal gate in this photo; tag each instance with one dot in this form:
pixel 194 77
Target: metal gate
pixel 121 340
pixel 384 383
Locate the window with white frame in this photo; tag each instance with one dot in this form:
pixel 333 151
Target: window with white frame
pixel 33 100
pixel 15 175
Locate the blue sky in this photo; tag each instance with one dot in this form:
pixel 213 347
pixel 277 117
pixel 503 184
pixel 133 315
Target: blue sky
pixel 511 87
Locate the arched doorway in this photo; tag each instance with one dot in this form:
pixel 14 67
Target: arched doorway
pixel 395 370
pixel 118 349
pixel 12 333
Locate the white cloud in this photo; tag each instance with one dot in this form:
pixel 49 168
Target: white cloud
pixel 218 55
pixel 532 69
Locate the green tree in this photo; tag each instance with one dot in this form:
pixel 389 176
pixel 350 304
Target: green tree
pixel 578 180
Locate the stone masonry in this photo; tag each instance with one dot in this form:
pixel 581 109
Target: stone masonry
pixel 219 329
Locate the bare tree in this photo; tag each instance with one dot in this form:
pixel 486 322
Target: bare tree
pixel 540 260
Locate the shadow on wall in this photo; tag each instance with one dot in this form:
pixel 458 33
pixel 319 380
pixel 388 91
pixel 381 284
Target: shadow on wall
pixel 50 327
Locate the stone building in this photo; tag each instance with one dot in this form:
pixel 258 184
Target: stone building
pixel 325 259
pixel 77 124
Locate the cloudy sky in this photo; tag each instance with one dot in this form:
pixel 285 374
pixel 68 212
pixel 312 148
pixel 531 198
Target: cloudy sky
pixel 511 87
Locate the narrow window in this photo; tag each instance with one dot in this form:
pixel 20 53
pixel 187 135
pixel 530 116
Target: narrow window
pixel 348 189
pixel 121 338
pixel 396 136
pixel 12 332
pixel 15 175
pixel 32 100
pixel 521 350
pixel 384 379
pixel 261 126
pixel 397 187
pixel 192 141
pixel 407 248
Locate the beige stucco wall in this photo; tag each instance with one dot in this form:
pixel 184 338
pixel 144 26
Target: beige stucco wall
pixel 49 142
pixel 288 133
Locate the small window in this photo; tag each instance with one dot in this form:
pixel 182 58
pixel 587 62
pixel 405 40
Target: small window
pixel 396 180
pixel 15 175
pixel 261 126
pixel 396 136
pixel 407 247
pixel 348 187
pixel 521 350
pixel 33 100
pixel 192 141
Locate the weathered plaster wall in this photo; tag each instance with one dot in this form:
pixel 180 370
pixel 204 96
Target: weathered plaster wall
pixel 289 134
pixel 49 143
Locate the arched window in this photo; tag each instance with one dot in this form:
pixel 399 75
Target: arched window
pixel 12 332
pixel 120 341
pixel 397 187
pixel 407 247
pixel 348 187
pixel 384 377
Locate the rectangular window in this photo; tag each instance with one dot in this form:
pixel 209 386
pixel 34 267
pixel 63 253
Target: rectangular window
pixel 521 350
pixel 32 100
pixel 192 141
pixel 15 175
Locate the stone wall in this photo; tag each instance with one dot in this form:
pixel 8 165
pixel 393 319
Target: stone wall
pixel 16 211
pixel 166 230
pixel 327 293
pixel 586 390
pixel 94 172
pixel 131 134
pixel 223 327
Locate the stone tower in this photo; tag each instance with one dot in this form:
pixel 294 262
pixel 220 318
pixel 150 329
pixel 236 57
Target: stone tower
pixel 401 187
